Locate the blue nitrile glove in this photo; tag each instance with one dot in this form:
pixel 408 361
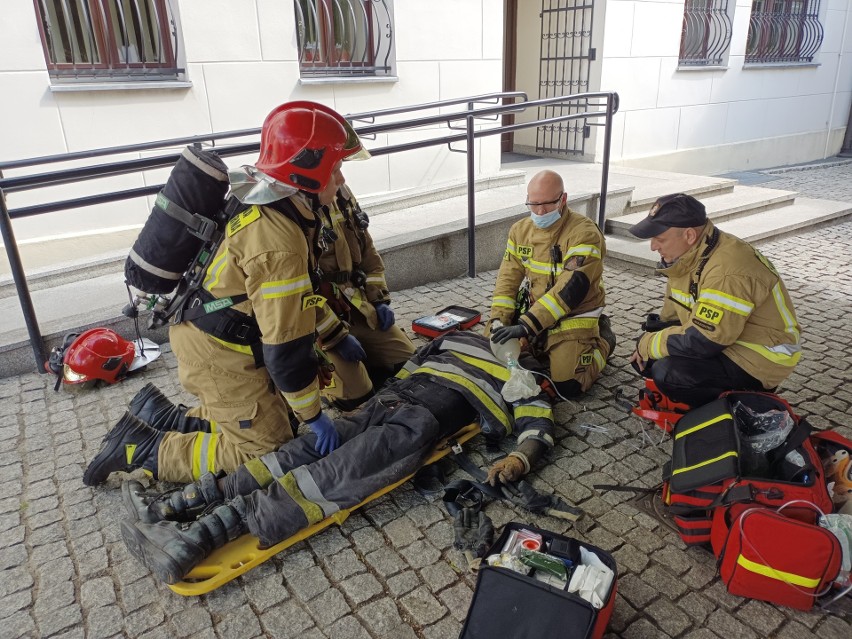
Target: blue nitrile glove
pixel 327 437
pixel 350 349
pixel 505 333
pixel 385 314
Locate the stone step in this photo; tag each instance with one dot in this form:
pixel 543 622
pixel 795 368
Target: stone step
pixel 645 194
pixel 771 224
pixel 721 206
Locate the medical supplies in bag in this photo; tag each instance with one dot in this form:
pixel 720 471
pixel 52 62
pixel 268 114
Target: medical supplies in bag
pixel 541 584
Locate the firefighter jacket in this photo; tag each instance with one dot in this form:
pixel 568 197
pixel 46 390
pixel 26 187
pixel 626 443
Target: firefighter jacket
pixel 463 361
pixel 267 256
pixel 353 274
pixel 564 266
pixel 729 299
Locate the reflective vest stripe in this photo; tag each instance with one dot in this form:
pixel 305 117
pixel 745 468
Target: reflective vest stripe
pixel 780 575
pixel 313 513
pixel 683 298
pixel 503 301
pixel 298 402
pixel 730 302
pixel 786 314
pixel 583 249
pixel 549 302
pixel 214 271
pixel 574 323
pixel 204 454
pixel 259 472
pixel 285 288
pixel 656 345
pixel 599 359
pixel 531 410
pixel 312 492
pixel 784 355
pixel 495 370
pixel 240 348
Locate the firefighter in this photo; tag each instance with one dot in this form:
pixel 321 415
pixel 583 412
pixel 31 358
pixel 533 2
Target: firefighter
pixel 727 321
pixel 550 290
pixel 353 283
pixel 443 387
pixel 247 336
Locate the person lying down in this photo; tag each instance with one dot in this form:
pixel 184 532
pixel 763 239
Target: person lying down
pixel 447 384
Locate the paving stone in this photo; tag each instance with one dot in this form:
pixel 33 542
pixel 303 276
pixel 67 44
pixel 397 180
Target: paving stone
pixel 422 607
pixel 327 607
pixel 190 621
pixel 725 625
pixel 636 591
pixel 628 557
pixel 139 622
pixel 643 629
pixel 403 583
pixel 761 616
pixel 664 582
pixel 348 628
pixel 795 630
pixel 446 627
pixel 344 564
pixel 309 583
pixel 328 542
pixel 438 576
pixel 287 621
pixel 667 616
pixel 362 587
pixel 382 619
pixel 241 622
pixel 457 600
pixel 367 540
pixel 623 615
pixel 54 619
pixel 834 628
pixel 696 606
pixel 97 592
pixel 386 562
pixel 104 622
pixel 402 532
pixel 265 592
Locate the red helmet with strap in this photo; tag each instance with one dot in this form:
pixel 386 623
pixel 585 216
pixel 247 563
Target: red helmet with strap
pixel 99 353
pixel 301 143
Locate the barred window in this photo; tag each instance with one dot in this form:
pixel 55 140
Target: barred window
pixel 344 37
pixel 783 31
pixel 706 32
pixel 108 39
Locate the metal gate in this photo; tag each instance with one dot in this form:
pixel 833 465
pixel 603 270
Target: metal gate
pixel 566 57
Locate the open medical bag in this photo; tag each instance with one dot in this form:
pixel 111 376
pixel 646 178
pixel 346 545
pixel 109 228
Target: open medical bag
pixel 723 453
pixel 512 605
pixel 446 320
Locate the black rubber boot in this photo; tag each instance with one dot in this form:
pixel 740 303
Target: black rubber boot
pixel 348 405
pixel 155 409
pixel 171 549
pixel 605 329
pixel 183 504
pixel 131 444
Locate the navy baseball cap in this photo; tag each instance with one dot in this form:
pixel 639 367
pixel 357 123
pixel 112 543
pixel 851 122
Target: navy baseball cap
pixel 671 211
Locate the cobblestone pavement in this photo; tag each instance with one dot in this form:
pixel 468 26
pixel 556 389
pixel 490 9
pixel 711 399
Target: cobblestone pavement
pixel 390 570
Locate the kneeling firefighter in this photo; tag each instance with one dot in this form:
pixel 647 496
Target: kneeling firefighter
pixel 246 336
pixel 353 283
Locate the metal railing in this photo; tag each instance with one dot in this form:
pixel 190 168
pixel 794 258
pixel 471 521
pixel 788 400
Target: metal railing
pixel 605 103
pixel 706 32
pixel 780 31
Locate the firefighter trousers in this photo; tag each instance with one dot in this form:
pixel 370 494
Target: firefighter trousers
pixel 248 416
pixel 387 439
pixel 385 350
pixel 575 359
pixel 697 381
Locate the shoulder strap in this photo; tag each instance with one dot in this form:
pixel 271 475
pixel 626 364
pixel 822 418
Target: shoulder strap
pixel 288 210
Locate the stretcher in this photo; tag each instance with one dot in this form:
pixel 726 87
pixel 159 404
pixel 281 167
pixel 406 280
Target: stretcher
pixel 243 554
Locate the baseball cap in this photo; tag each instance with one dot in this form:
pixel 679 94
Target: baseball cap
pixel 670 211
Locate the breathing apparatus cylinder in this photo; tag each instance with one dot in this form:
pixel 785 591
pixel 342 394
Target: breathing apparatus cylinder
pixel 184 216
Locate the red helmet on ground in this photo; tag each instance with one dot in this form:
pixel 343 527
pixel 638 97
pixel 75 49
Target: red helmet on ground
pixel 99 353
pixel 301 143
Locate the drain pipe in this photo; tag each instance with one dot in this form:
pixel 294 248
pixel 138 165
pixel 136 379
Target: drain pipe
pixel 846 149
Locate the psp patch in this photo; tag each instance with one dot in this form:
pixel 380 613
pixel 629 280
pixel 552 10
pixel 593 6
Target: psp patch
pixel 243 220
pixel 524 252
pixel 312 301
pixel 709 313
pixel 586 359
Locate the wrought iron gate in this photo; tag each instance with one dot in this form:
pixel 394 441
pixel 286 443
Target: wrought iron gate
pixel 566 57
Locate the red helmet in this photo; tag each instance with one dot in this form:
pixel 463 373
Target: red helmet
pixel 99 353
pixel 302 142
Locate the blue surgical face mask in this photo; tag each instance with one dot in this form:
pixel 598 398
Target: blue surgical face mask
pixel 546 220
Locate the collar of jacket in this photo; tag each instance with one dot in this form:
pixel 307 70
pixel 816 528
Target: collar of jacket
pixel 307 206
pixel 688 262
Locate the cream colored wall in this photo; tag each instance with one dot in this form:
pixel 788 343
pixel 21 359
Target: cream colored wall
pixel 241 61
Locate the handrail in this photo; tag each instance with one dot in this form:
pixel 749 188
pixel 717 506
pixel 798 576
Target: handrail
pixel 607 101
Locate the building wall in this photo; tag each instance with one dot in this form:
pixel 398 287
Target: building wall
pixel 241 61
pixel 712 120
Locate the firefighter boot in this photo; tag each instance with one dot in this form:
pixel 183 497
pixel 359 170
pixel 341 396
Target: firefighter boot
pixel 154 408
pixel 131 444
pixel 171 549
pixel 183 504
pixel 605 329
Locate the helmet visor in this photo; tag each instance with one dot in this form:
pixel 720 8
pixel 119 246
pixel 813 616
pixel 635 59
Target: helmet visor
pixel 354 149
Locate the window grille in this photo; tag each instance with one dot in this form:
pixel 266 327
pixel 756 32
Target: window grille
pixel 783 31
pixel 344 37
pixel 126 40
pixel 706 32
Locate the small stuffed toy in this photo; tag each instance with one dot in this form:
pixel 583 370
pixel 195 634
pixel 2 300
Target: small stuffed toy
pixel 838 475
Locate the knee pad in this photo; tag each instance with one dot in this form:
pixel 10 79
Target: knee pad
pixel 568 388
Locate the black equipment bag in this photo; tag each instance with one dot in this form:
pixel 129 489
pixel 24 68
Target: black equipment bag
pixel 185 216
pixel 510 605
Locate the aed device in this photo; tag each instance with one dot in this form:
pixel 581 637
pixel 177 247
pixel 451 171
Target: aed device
pixel 446 320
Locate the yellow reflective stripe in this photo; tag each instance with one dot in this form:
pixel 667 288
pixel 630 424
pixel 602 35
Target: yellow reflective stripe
pixel 298 402
pixel 259 472
pixel 730 302
pixel 495 370
pixel 240 348
pixel 780 575
pixel 732 453
pixel 204 454
pixel 489 404
pixel 533 411
pixel 376 279
pixel 786 314
pixel 583 249
pixel 214 271
pixel 683 298
pixel 313 513
pixel 709 422
pixel 402 374
pixel 599 359
pixel 326 323
pixel 572 323
pixel 285 288
pixel 510 246
pixel 549 302
pixel 543 268
pixel 213 426
pixel 503 301
pixel 774 356
pixel 656 345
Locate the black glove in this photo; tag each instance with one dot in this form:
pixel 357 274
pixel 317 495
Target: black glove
pixel 653 323
pixel 473 530
pixel 505 333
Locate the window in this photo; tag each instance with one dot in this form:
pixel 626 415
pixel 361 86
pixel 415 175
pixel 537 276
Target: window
pixel 344 37
pixel 125 40
pixel 783 31
pixel 706 32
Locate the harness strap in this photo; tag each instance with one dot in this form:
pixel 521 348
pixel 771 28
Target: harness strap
pixel 198 225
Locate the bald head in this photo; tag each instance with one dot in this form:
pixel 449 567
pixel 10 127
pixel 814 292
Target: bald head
pixel 547 188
